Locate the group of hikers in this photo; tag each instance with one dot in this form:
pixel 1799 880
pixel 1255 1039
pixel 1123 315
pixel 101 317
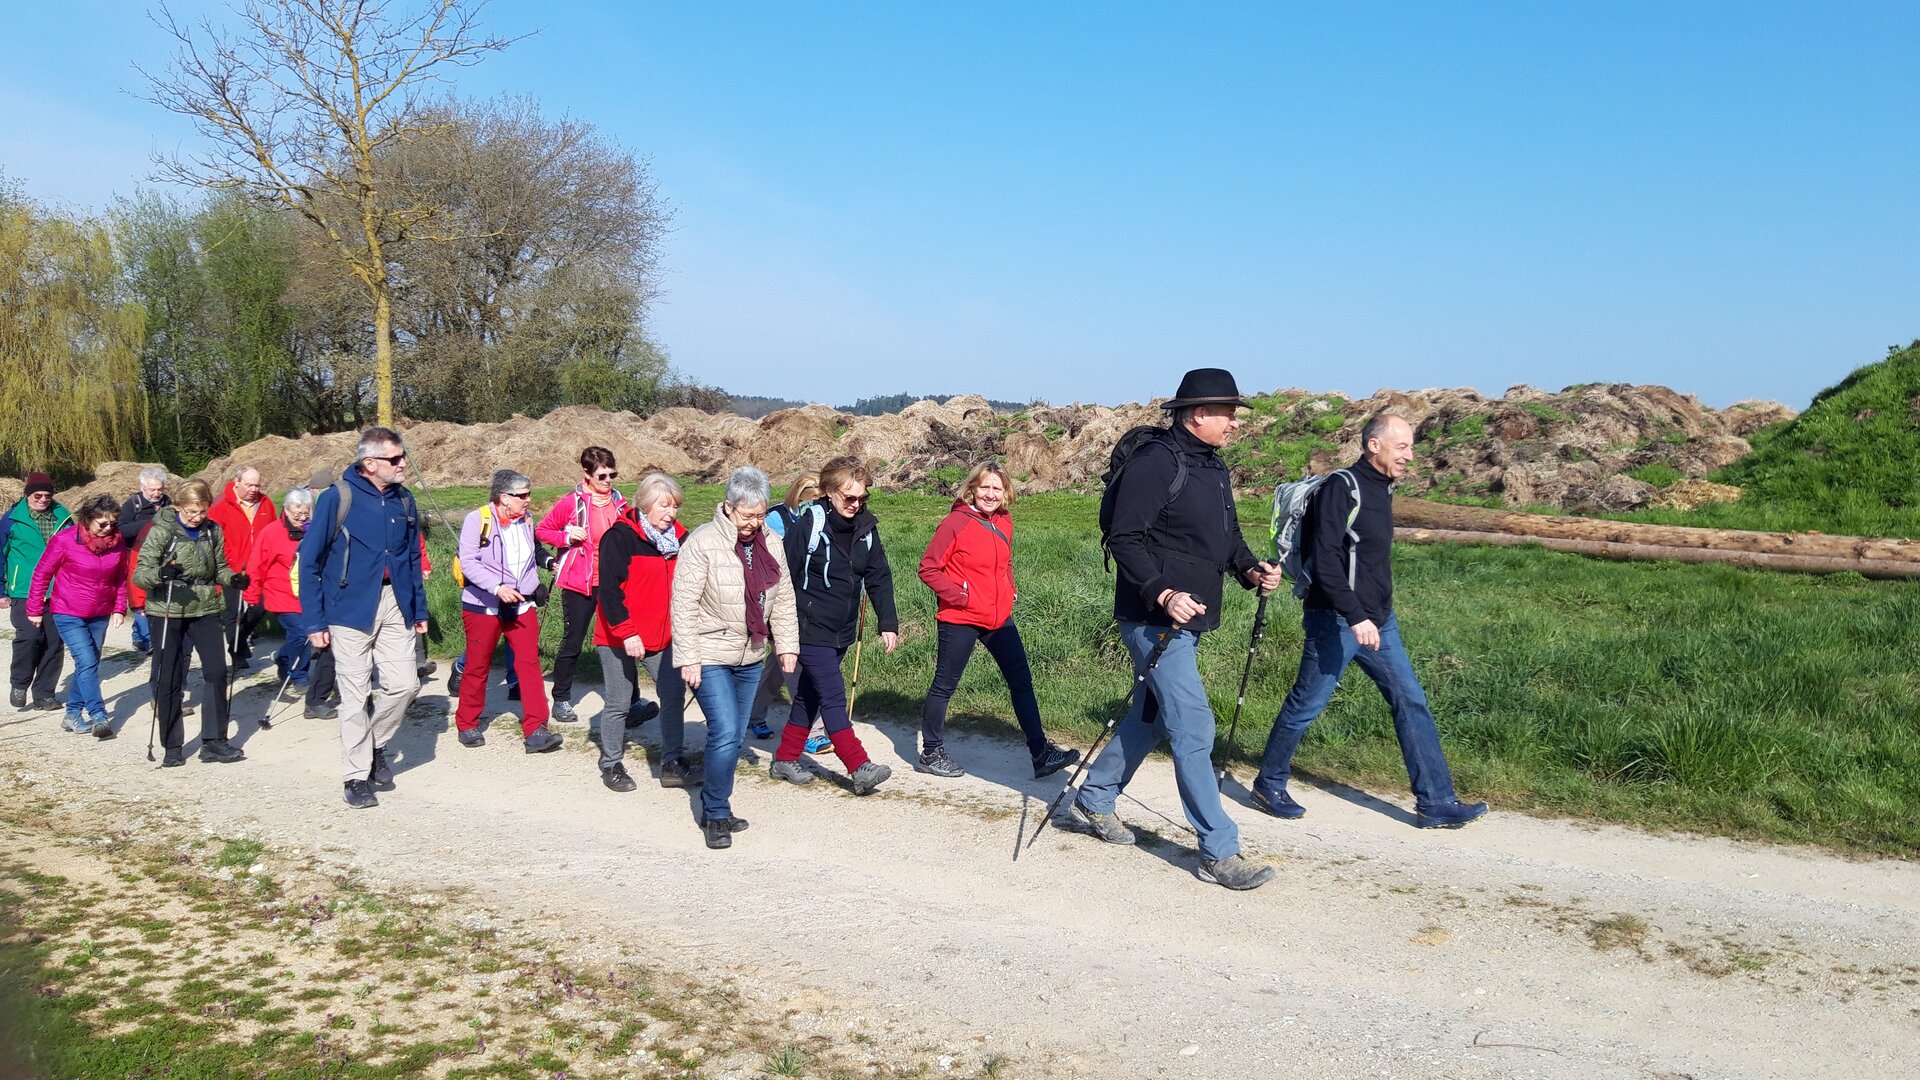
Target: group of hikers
pixel 763 585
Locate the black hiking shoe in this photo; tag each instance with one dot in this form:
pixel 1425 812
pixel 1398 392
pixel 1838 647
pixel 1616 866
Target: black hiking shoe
pixel 543 741
pixel 562 711
pixel 616 778
pixel 382 774
pixel 473 736
pixel 718 831
pixel 1449 815
pixel 1278 803
pixel 937 762
pixel 677 772
pixel 640 712
pixel 102 728
pixel 1234 872
pixel 1055 759
pixel 47 704
pixel 360 795
pixel 321 712
pixel 17 698
pixel 174 758
pixel 513 692
pixel 221 753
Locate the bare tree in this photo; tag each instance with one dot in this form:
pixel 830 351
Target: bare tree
pixel 301 107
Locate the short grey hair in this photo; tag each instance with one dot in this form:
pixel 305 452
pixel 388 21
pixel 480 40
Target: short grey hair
pixel 152 472
pixel 1377 425
pixel 1183 414
pixel 656 486
pixel 244 470
pixel 374 438
pixel 505 480
pixel 297 497
pixel 748 487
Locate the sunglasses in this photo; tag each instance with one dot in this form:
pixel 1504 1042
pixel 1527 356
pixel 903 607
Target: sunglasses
pixel 394 460
pixel 850 500
pixel 606 476
pixel 518 494
pixel 103 526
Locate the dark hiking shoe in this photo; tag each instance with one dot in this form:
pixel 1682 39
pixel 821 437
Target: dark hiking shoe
pixel 47 704
pixel 1234 872
pixel 1055 759
pixel 543 741
pixel 939 763
pixel 473 736
pixel 360 795
pixel 676 772
pixel 1278 803
pixel 793 772
pixel 174 758
pixel 641 711
pixel 102 728
pixel 425 671
pixel 382 774
pixel 562 709
pixel 868 777
pixel 17 699
pixel 1449 815
pixel 513 693
pixel 616 778
pixel 221 753
pixel 718 831
pixel 321 712
pixel 1106 826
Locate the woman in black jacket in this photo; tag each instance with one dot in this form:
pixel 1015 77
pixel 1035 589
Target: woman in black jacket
pixel 834 552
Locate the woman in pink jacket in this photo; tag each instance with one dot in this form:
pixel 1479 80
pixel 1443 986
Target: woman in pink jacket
pixel 574 527
pixel 85 567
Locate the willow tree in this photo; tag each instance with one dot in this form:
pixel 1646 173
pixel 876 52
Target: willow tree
pixel 70 393
pixel 303 104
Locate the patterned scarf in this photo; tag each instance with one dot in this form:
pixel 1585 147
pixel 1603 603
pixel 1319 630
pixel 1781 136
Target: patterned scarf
pixel 762 574
pixel 664 540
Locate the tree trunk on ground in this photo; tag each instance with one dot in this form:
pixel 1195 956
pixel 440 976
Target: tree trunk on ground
pixel 1630 552
pixel 1413 514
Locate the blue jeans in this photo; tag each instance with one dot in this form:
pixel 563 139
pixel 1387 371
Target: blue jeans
pixel 1171 707
pixel 460 666
pixel 725 695
pixel 83 638
pixel 296 654
pixel 142 635
pixel 1330 647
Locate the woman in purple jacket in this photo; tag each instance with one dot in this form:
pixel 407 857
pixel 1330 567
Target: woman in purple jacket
pixel 87 571
pixel 499 559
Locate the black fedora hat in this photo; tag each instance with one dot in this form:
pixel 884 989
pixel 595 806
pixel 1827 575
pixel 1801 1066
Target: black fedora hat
pixel 1206 386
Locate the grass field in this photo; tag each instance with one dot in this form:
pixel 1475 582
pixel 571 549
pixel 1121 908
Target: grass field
pixel 1699 697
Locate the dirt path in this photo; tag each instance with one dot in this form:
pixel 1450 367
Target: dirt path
pixel 1517 947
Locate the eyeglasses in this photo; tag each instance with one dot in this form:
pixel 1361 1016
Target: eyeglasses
pixel 394 460
pixel 606 476
pixel 103 526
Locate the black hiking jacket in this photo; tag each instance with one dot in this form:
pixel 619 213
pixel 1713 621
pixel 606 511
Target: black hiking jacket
pixel 829 566
pixel 1325 536
pixel 1184 544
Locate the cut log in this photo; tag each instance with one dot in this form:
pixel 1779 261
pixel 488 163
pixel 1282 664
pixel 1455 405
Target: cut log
pixel 1419 513
pixel 1886 569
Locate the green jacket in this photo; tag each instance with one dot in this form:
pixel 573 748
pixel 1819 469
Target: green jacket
pixel 203 562
pixel 24 545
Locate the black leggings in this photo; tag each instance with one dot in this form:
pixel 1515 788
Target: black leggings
pixel 956 648
pixel 576 614
pixel 172 639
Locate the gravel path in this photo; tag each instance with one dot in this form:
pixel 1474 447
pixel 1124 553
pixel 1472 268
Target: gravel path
pixel 1516 947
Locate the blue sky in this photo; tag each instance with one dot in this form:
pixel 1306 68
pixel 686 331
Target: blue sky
pixel 1078 201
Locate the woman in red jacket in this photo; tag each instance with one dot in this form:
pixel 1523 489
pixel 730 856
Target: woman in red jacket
pixel 969 567
pixel 274 583
pixel 638 554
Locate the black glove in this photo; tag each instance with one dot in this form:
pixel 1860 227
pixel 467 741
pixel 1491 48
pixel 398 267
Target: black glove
pixel 171 572
pixel 545 559
pixel 241 581
pixel 540 594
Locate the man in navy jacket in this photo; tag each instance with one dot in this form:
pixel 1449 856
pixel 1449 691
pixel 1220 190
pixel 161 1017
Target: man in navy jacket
pixel 360 578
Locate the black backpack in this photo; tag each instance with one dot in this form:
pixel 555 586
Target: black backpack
pixel 1123 452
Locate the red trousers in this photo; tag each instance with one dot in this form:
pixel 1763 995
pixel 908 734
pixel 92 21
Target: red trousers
pixel 483 636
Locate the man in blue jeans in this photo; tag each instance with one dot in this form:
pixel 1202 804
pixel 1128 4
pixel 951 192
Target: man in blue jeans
pixel 1348 617
pixel 1173 533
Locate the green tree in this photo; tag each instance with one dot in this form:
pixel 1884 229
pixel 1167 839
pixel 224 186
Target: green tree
pixel 70 393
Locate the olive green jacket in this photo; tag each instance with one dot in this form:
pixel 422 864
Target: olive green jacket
pixel 203 565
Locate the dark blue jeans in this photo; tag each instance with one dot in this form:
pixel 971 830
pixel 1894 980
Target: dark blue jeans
pixel 295 655
pixel 142 635
pixel 955 649
pixel 725 695
pixel 1330 647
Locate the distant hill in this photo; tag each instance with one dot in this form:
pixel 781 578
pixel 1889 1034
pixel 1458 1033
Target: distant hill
pixel 893 403
pixel 754 406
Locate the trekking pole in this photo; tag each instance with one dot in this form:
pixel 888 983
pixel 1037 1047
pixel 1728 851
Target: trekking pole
pixel 273 709
pixel 859 634
pixel 153 685
pixel 1233 730
pixel 1139 680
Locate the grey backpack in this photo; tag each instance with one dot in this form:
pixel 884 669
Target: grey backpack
pixel 1290 504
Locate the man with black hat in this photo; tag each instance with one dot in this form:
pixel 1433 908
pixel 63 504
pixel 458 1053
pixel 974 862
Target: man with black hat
pixel 24 534
pixel 1174 533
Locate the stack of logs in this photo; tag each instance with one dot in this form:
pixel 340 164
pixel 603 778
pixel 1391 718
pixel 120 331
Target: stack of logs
pixel 1421 522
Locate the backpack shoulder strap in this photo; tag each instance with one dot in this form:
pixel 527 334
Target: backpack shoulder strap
pixel 343 492
pixel 486 525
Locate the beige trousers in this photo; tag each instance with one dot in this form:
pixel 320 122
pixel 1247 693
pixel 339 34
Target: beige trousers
pixel 354 656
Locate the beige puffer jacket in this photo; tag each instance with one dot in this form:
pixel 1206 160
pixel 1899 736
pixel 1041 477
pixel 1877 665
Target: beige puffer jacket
pixel 710 599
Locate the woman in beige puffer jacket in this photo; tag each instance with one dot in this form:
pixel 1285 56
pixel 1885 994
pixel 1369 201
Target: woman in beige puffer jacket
pixel 732 597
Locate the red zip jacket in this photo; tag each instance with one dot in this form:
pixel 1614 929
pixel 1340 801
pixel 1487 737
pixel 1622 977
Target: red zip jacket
pixel 276 555
pixel 635 593
pixel 240 533
pixel 969 567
